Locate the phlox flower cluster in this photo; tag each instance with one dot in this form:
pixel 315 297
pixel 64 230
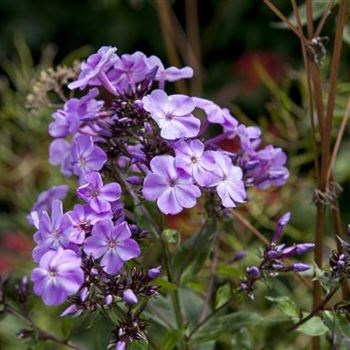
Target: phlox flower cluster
pixel 123 130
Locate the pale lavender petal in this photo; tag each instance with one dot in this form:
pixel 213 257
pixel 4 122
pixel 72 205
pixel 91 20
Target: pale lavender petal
pixel 128 249
pixel 167 202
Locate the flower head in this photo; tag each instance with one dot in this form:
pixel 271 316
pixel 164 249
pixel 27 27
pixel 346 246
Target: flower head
pixel 58 276
pixel 191 157
pixel 52 232
pixel 171 187
pixel 173 114
pixel 229 184
pixel 95 67
pixel 112 243
pixel 87 157
pixel 99 196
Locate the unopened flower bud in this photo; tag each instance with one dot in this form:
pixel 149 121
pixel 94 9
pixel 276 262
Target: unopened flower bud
pixel 108 299
pixel 71 310
pixel 238 256
pixel 282 222
pixel 130 297
pixel 154 272
pixel 304 247
pixel 134 180
pixel 253 272
pixel 84 294
pixel 120 345
pixel 299 267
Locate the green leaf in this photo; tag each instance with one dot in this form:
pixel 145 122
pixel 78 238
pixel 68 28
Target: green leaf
pixel 286 305
pixel 242 340
pixel 162 282
pixel 170 236
pixel 192 254
pixel 139 345
pixel 226 324
pixel 346 34
pixel 223 294
pixel 171 339
pixel 228 271
pixel 314 327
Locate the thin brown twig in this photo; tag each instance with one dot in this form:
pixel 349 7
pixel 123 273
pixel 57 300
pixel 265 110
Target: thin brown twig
pixel 339 139
pixel 310 22
pixel 324 17
pixel 333 84
pixel 309 89
pixel 279 14
pixel 167 32
pixel 192 29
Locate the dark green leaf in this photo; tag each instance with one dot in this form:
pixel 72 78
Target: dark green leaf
pixel 162 282
pixel 223 294
pixel 226 324
pixel 171 339
pixel 286 305
pixel 314 327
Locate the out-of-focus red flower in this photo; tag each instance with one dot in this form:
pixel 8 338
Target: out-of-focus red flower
pixel 18 243
pixel 246 68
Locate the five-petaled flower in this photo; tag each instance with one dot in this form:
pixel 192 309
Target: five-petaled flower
pixel 99 196
pixel 171 187
pixel 113 244
pixel 58 276
pixel 173 114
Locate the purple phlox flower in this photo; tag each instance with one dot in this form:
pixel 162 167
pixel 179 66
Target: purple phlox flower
pixel 250 137
pixel 214 113
pixel 58 276
pixel 270 169
pixel 130 297
pixel 60 154
pixel 113 244
pixel 173 114
pixel 121 345
pixel 46 198
pixel 87 157
pixel 282 223
pixel 168 74
pixel 228 182
pixel 171 187
pixel 128 70
pixel 83 217
pixel 94 69
pixel 52 232
pixel 154 272
pixel 99 196
pixel 191 157
pixel 75 110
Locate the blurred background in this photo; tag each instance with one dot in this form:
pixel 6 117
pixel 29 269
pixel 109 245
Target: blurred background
pixel 243 59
